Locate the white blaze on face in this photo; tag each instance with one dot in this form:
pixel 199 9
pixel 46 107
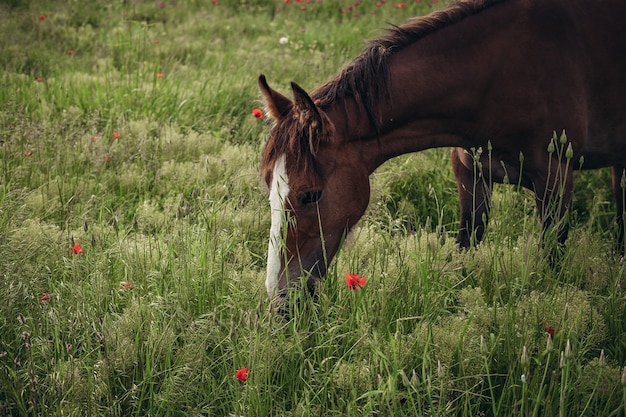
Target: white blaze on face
pixel 279 190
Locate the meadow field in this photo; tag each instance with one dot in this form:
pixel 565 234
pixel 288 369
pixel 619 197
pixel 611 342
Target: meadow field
pixel 134 228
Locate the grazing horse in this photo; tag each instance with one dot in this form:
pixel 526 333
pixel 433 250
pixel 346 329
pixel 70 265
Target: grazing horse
pixel 496 75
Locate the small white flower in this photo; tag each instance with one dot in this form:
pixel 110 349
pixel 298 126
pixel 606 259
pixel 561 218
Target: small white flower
pixel 283 40
pixel 523 378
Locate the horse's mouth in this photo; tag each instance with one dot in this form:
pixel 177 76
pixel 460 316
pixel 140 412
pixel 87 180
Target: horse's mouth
pixel 300 277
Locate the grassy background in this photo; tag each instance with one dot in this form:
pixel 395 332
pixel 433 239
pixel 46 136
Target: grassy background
pixel 140 145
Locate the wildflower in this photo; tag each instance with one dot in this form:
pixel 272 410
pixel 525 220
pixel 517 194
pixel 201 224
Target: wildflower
pixel 39 79
pixel 524 359
pixel 70 52
pixel 242 374
pixel 355 282
pixel 523 378
pixel 27 340
pixel 77 249
pixel 116 135
pixel 568 349
pixel 126 285
pixel 159 75
pixel 257 113
pixel 42 17
pixel 28 153
pixel 550 330
pixel 156 41
pixel 283 40
pixel 45 297
pixel 107 158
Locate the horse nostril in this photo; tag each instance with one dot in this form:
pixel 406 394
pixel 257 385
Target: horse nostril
pixel 310 286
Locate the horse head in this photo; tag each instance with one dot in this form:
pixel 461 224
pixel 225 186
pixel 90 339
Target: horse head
pixel 317 189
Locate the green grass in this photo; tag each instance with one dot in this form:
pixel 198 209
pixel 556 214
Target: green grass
pixel 174 205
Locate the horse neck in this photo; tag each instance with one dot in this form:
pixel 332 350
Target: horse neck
pixel 435 93
pixel 407 123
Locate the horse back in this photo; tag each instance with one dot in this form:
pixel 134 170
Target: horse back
pixel 590 40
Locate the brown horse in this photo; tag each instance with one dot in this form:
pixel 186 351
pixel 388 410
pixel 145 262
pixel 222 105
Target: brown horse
pixel 496 75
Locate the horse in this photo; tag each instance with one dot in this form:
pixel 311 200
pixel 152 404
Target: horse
pixel 496 75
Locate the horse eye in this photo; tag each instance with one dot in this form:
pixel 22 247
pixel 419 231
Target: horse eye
pixel 310 197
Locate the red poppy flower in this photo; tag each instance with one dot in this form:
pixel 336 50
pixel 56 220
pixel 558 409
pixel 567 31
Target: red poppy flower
pixel 159 75
pixel 116 135
pixel 42 17
pixel 45 297
pixel 355 282
pixel 550 330
pixel 70 52
pixel 242 374
pixel 257 113
pixel 77 249
pixel 107 158
pixel 126 285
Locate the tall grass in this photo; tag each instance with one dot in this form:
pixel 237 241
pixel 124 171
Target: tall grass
pixel 140 147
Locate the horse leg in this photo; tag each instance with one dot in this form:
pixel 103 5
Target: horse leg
pixel 618 184
pixel 554 198
pixel 474 196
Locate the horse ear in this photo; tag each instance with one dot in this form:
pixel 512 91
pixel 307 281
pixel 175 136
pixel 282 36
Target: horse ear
pixel 312 118
pixel 306 110
pixel 277 104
